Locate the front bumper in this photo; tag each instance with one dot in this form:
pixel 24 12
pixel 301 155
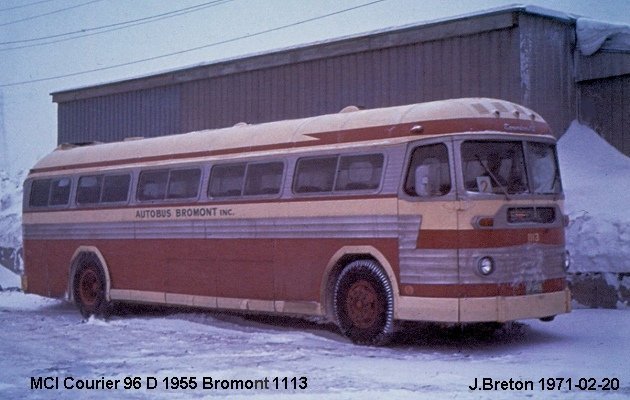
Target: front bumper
pixel 484 309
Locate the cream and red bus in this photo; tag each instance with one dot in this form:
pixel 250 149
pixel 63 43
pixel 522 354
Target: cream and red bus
pixel 447 211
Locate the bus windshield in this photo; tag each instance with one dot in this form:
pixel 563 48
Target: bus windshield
pixel 510 167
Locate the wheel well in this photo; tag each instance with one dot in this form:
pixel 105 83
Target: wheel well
pixel 81 257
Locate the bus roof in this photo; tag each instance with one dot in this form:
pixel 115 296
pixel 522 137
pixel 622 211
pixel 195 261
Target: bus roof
pixel 351 125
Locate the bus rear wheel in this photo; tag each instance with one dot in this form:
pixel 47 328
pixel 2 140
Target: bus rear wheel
pixel 89 290
pixel 363 303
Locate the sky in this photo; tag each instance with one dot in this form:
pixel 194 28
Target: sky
pixel 89 35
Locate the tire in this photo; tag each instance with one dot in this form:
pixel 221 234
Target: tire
pixel 364 303
pixel 89 290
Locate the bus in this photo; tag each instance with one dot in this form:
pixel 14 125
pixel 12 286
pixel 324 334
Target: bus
pixel 448 211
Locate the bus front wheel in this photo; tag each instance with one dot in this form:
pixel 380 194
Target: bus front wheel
pixel 89 290
pixel 364 303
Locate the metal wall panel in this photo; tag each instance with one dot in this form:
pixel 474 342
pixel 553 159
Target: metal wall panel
pixel 484 64
pixel 602 64
pixel 148 113
pixel 547 70
pixel 413 65
pixel 605 107
pixel 506 55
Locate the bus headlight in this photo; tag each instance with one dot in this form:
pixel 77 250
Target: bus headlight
pixel 485 266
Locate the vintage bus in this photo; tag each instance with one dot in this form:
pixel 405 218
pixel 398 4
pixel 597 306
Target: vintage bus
pixel 447 211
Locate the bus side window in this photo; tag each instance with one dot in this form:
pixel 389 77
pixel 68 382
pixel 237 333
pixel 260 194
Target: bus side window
pixel 40 190
pixel 263 178
pixel 89 189
pixel 226 180
pixel 152 185
pixel 116 188
pixel 60 192
pixel 50 192
pixel 315 175
pixel 360 172
pixel 184 183
pixel 429 172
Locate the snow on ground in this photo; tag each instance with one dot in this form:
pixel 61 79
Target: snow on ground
pixel 17 301
pixel 48 338
pixel 9 279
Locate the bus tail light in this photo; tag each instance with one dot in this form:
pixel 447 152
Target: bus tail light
pixel 567 260
pixel 485 266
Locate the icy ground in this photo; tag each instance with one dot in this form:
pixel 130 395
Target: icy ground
pixel 47 338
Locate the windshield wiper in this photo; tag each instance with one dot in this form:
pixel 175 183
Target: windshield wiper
pixel 493 177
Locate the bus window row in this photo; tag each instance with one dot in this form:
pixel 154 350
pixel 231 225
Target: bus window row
pixel 338 173
pixel 327 174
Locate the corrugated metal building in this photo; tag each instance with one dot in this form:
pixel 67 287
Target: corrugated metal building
pixel 521 54
pixel 603 84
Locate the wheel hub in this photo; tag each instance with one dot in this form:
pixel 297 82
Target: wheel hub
pixel 362 304
pixel 89 286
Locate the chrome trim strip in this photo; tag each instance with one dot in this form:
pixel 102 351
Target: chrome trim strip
pixel 369 226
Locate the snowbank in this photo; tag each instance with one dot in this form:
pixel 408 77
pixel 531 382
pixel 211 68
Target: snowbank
pixel 11 209
pixel 18 301
pixel 596 179
pixel 9 279
pixel 11 220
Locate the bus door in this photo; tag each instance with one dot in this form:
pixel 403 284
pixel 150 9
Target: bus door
pixel 428 214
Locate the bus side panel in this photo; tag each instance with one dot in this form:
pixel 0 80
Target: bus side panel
pixel 130 264
pixel 265 269
pixel 301 264
pixel 46 267
pixel 193 276
pixel 245 267
pixel 136 264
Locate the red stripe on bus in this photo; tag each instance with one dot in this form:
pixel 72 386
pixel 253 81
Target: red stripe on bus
pixel 482 238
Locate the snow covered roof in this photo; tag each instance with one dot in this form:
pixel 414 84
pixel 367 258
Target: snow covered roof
pixel 595 35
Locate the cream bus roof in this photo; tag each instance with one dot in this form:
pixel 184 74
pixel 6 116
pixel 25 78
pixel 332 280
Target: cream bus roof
pixel 284 134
